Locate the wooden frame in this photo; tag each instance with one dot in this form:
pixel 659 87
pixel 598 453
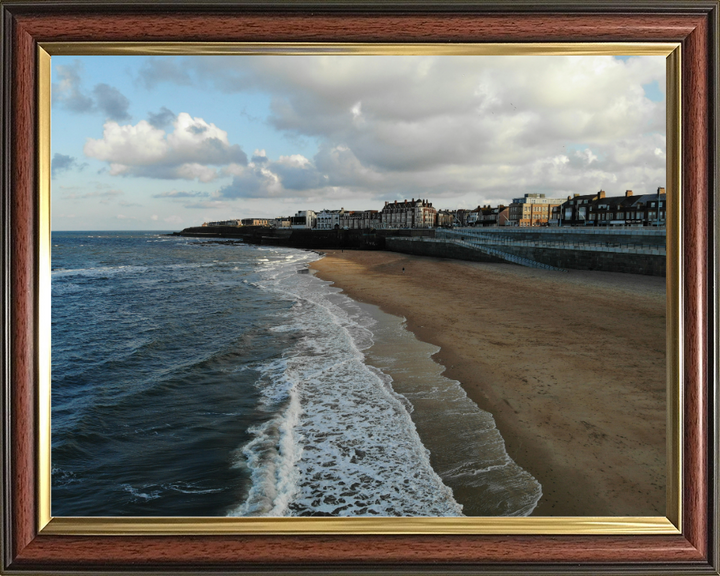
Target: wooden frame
pixel 693 23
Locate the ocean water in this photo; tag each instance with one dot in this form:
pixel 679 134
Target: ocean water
pixel 196 377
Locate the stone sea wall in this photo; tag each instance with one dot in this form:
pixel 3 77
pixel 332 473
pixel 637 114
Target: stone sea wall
pixel 409 242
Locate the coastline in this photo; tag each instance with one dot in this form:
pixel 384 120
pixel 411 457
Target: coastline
pixel 570 365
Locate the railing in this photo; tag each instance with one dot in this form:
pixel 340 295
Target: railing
pixel 505 255
pixel 482 248
pixel 504 239
pixel 628 230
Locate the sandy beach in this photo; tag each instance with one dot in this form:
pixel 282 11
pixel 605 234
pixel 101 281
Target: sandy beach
pixel 571 366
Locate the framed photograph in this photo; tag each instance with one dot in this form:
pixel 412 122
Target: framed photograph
pixel 89 496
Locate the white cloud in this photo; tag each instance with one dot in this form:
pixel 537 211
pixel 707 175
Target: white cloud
pixel 433 124
pixel 456 130
pixel 586 155
pixel 188 152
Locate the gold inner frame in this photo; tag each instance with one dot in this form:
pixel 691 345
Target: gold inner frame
pixel 581 525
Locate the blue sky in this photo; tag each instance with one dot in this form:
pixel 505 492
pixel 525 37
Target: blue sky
pixel 162 143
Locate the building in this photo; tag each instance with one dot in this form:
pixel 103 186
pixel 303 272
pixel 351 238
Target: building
pixel 445 218
pixel 575 210
pixel 351 220
pixel 462 216
pixel 532 210
pixel 224 223
pixel 281 222
pixel 303 219
pixel 601 210
pixel 408 214
pixel 329 219
pixel 255 222
pixel 629 210
pixel 371 219
pixel 492 216
pixel 360 220
pixel 474 216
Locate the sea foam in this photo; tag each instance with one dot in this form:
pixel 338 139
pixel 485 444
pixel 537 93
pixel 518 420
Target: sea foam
pixel 339 440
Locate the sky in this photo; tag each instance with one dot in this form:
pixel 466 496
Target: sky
pixel 167 142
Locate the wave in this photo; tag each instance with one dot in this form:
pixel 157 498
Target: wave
pixel 341 441
pixel 154 491
pixel 106 271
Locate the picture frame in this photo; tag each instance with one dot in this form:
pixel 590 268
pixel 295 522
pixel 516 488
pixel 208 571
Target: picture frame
pixel 29 547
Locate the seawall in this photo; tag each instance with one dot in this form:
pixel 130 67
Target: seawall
pixel 438 250
pixel 305 238
pixel 635 251
pixel 575 259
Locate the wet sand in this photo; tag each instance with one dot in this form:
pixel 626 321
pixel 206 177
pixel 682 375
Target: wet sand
pixel 571 365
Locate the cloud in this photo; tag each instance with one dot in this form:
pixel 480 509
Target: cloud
pixel 460 131
pixel 162 119
pixel 189 152
pixel 297 176
pixel 253 182
pixel 297 173
pixel 259 157
pixel 211 204
pixel 104 195
pixel 63 163
pixel 450 125
pixel 292 175
pixel 181 194
pixel 68 93
pixel 110 101
pixel 162 69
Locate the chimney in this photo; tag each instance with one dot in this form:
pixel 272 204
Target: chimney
pixel 601 194
pixel 576 195
pixel 628 193
pixel 661 191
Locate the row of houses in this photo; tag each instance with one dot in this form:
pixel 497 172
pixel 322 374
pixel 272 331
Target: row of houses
pixel 530 210
pixel 600 210
pixel 241 222
pixel 406 214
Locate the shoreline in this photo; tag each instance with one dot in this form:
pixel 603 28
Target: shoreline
pixel 571 366
pixel 466 449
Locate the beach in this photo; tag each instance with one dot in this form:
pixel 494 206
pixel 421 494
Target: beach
pixel 570 365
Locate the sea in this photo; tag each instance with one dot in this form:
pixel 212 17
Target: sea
pixel 208 377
